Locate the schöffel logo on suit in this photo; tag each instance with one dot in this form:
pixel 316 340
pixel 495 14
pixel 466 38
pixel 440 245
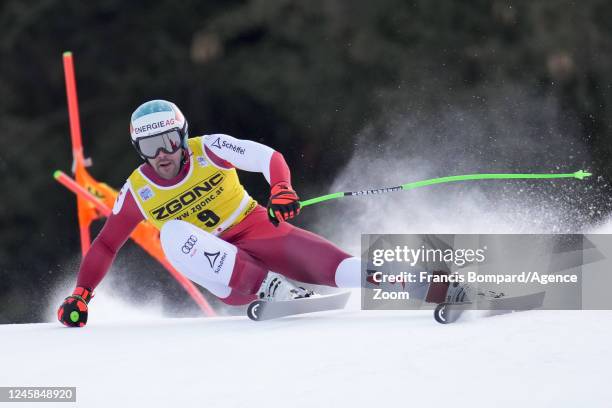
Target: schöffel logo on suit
pixel 154 125
pixel 212 257
pixel 189 244
pixel 221 144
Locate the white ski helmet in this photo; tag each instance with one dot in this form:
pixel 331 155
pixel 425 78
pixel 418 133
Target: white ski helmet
pixel 158 125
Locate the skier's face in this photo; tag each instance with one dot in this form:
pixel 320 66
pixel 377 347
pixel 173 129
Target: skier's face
pixel 167 165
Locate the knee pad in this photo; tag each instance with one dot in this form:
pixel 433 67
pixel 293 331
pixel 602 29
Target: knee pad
pixel 200 256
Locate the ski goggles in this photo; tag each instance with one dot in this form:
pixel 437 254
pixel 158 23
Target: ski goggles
pixel 168 142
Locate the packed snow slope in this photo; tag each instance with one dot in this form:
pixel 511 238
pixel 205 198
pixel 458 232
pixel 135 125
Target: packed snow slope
pixel 347 358
pixel 129 356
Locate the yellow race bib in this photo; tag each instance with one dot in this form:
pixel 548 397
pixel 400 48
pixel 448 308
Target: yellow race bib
pixel 208 197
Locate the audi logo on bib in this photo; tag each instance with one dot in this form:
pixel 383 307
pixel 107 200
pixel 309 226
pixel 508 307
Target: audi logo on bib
pixel 189 244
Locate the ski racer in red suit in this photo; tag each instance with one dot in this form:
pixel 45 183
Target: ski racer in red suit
pixel 249 249
pixel 211 230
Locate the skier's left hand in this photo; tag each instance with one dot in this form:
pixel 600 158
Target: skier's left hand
pixel 73 311
pixel 284 203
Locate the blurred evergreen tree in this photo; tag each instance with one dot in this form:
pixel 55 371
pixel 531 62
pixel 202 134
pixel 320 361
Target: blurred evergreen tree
pixel 303 77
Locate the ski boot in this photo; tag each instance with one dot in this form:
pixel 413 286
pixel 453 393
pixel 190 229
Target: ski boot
pixel 276 287
pixel 460 297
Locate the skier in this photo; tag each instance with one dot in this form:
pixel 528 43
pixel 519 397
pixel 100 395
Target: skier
pixel 250 250
pixel 189 189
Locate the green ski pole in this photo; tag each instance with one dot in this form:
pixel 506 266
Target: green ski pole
pixel 580 175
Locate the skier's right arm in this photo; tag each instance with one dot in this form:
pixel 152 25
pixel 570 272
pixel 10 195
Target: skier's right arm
pixel 117 229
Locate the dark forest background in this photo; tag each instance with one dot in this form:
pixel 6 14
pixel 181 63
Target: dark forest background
pixel 303 77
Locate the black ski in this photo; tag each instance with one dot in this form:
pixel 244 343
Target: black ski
pixel 263 310
pixel 446 313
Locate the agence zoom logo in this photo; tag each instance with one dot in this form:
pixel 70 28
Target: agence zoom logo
pixel 189 244
pixel 187 198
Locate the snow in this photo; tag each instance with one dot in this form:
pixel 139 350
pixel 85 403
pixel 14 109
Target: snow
pixel 131 355
pixel 356 358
